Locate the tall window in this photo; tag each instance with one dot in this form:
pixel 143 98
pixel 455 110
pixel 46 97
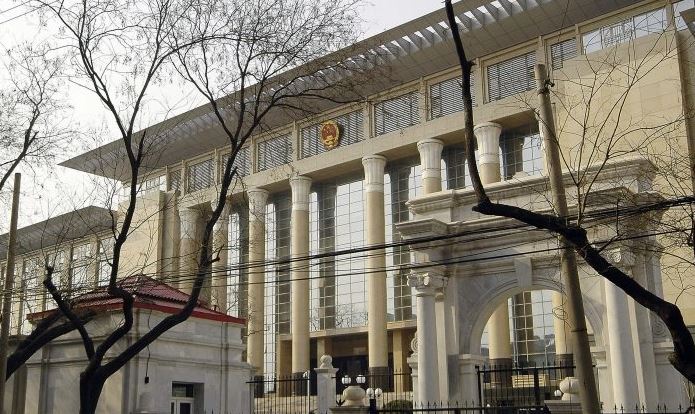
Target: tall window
pixel 274 152
pixel 521 151
pixel 396 113
pixel 511 76
pixel 625 30
pixel 104 257
pixel 31 288
pixel 200 175
pixel 79 265
pixel 402 183
pixel 277 279
pixel 339 295
pixel 455 168
pixel 446 97
pixel 242 162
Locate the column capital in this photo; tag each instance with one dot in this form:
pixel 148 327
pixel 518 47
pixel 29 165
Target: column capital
pixel 427 283
pixel 258 198
pixel 301 186
pixel 226 210
pixel 622 257
pixel 374 173
pixel 431 157
pixel 488 136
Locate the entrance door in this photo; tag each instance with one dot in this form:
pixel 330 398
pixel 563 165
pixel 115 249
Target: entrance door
pixel 182 405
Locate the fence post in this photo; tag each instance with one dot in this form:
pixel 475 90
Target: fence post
pixel 536 387
pixel 325 385
pixel 480 386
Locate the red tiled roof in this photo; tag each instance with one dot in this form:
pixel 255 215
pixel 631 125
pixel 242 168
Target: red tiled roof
pixel 148 293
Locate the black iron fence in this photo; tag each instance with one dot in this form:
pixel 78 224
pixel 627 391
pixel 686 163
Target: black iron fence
pixel 286 395
pixel 456 408
pixel 520 386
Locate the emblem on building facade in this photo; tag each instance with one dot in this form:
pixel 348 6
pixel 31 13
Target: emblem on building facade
pixel 330 135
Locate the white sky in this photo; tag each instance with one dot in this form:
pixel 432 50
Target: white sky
pixel 49 193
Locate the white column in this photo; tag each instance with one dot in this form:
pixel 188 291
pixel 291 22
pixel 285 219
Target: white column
pixel 188 247
pixel 217 293
pixel 258 199
pixel 375 234
pixel 621 352
pixel 299 274
pixel 426 286
pixel 488 136
pixel 431 164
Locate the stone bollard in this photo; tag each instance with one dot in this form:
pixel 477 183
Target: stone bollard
pixel 412 362
pixel 325 385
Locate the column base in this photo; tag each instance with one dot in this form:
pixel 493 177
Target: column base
pixel 381 377
pixel 299 384
pixel 565 363
pixel 503 377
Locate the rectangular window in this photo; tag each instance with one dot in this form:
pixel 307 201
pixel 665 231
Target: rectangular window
pixel 511 76
pixel 158 183
pixel 242 162
pixel 521 152
pixel 351 132
pixel 678 8
pixel 274 152
pixel 625 30
pixel 32 276
pixel 200 175
pixel 175 181
pixel 104 261
pixel 563 51
pixel 396 113
pixel 79 277
pixel 455 168
pixel 447 97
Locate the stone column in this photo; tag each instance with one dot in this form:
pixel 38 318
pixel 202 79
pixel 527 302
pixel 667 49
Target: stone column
pixel 299 274
pixel 256 289
pixel 426 286
pixel 188 247
pixel 375 234
pixel 431 164
pixel 216 289
pixel 621 352
pixel 488 136
pixel 325 384
pixel 563 341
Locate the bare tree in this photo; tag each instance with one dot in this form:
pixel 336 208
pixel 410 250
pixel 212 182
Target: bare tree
pixel 248 59
pixel 683 356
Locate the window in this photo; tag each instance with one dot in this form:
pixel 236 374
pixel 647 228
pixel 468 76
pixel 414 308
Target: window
pixel 200 175
pixel 154 183
pixel 511 76
pixel 175 181
pixel 274 152
pixel 563 51
pixel 521 152
pixel 32 291
pixel 625 30
pixel 396 113
pixel 241 162
pixel 446 97
pixel 79 265
pixel 351 132
pixel 104 261
pixel 455 168
pixel 680 7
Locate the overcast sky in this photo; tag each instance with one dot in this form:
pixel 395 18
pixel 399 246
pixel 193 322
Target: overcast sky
pixel 49 193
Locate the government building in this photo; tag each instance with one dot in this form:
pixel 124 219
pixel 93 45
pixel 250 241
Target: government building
pixel 321 243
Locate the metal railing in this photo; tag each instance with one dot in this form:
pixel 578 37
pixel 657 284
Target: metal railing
pixel 285 395
pixel 519 386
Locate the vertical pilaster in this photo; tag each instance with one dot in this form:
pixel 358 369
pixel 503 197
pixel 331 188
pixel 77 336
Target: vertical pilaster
pixel 299 275
pixel 375 234
pixel 488 136
pixel 258 198
pixel 431 164
pixel 188 247
pixel 220 250
pixel 426 286
pixel 621 352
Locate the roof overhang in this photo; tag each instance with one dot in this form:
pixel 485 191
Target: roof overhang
pixel 408 52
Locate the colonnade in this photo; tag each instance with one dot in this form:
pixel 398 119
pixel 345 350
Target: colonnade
pixel 427 288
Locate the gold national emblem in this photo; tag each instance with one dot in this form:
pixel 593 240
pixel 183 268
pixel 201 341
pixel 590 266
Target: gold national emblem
pixel 330 135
